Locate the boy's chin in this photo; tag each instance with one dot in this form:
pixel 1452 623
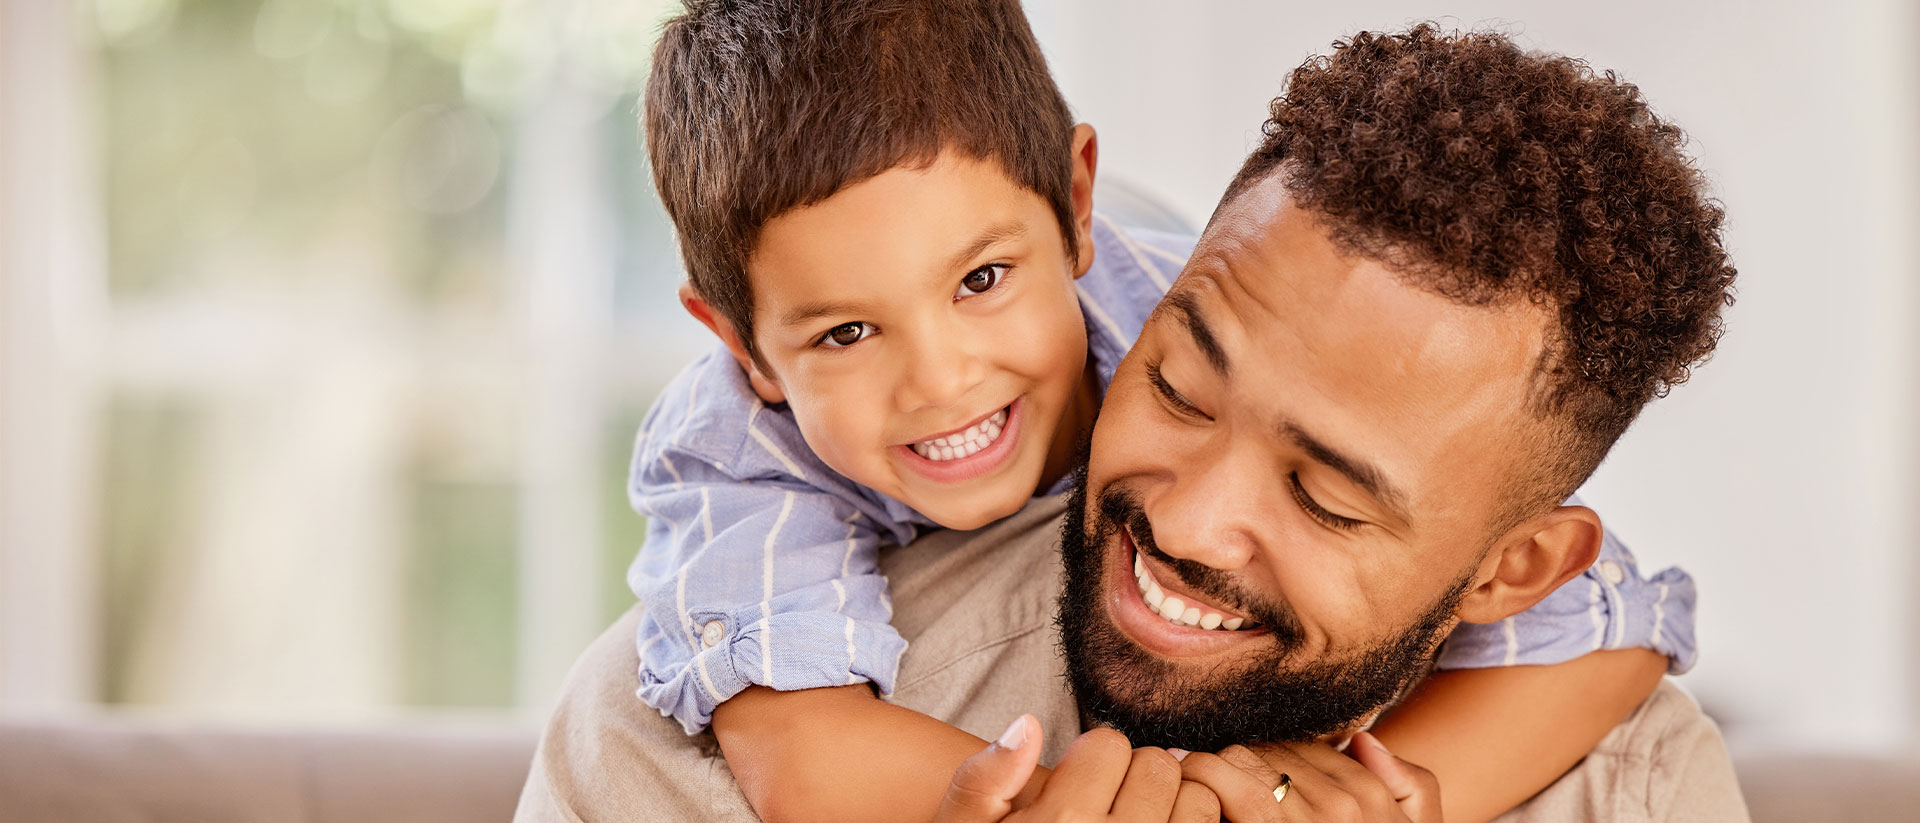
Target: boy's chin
pixel 967 517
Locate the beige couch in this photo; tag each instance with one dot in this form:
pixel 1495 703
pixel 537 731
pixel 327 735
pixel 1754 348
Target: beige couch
pixel 114 770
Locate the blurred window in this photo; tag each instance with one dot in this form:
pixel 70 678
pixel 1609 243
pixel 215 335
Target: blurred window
pixel 388 291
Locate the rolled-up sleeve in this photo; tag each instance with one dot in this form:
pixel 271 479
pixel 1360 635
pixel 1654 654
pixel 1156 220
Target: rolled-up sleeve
pixel 761 563
pixel 1609 606
pixel 761 583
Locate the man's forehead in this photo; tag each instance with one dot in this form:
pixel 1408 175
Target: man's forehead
pixel 1270 272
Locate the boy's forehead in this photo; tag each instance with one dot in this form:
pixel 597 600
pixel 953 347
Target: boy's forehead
pixel 907 225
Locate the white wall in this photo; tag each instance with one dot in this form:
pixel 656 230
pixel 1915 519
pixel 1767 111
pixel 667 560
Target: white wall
pixel 1784 476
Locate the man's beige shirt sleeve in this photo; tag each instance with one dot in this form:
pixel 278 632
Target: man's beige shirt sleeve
pixel 1665 762
pixel 977 609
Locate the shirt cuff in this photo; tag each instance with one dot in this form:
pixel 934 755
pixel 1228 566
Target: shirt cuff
pixel 719 654
pixel 1609 606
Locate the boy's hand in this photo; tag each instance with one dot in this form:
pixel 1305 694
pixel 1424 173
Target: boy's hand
pixel 1324 785
pixel 1099 778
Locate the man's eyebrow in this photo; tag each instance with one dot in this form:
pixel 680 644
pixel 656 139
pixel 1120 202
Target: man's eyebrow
pixel 1361 473
pixel 1196 323
pixel 996 233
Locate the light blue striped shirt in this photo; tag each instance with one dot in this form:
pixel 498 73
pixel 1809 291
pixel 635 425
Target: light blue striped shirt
pixel 761 563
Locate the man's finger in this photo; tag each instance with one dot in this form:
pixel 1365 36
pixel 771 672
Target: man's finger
pixel 985 785
pixel 1087 776
pixel 1152 782
pixel 1252 763
pixel 1414 788
pixel 1195 804
pixel 1243 797
pixel 1351 778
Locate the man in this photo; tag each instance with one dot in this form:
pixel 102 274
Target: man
pixel 1425 309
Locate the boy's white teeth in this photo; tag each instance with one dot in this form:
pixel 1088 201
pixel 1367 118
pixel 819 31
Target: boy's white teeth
pixel 1180 612
pixel 964 443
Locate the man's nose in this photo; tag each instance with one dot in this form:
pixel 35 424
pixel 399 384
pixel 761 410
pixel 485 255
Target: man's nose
pixel 940 369
pixel 1210 511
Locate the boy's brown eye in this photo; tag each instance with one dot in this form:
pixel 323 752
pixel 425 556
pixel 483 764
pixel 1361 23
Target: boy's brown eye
pixel 979 281
pixel 843 335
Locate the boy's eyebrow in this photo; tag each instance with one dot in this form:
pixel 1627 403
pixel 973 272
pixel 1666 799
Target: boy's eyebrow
pixel 996 233
pixel 811 311
pixel 1003 230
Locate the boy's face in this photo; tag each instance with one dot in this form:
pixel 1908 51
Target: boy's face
pixel 923 327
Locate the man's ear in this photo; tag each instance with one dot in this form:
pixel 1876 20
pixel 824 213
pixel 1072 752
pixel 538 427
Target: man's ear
pixel 1531 561
pixel 703 311
pixel 1086 158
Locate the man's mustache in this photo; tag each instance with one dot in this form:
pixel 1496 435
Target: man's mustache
pixel 1118 509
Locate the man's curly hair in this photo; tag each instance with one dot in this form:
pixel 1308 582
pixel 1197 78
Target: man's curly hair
pixel 1490 174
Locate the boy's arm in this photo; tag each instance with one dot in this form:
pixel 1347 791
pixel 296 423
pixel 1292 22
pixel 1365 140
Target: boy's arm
pixel 841 754
pixel 1497 736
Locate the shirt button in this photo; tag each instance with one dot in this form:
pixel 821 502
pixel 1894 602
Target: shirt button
pixel 1609 570
pixel 712 633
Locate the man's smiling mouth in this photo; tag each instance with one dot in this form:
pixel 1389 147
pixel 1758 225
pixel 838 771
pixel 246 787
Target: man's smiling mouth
pixel 1181 612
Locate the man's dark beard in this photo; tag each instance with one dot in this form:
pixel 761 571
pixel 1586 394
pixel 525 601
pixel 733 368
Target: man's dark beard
pixel 1273 699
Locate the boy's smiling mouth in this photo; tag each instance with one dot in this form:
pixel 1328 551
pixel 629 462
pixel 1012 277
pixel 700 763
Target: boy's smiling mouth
pixel 966 442
pixel 970 451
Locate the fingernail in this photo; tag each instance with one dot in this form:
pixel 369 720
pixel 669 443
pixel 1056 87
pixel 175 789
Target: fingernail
pixel 1179 754
pixel 1374 742
pixel 1015 736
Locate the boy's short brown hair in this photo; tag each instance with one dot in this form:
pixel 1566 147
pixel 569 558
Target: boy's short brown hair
pixel 756 107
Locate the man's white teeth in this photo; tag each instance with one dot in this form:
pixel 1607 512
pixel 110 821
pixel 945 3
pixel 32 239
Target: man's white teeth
pixel 1177 611
pixel 966 443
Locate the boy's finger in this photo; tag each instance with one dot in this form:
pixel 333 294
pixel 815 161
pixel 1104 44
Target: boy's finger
pixel 1088 775
pixel 985 785
pixel 1414 788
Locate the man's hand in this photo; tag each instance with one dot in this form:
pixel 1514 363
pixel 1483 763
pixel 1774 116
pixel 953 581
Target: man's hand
pixel 1100 778
pixel 1372 786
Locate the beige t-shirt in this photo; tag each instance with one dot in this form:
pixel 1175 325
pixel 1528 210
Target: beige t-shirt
pixel 977 610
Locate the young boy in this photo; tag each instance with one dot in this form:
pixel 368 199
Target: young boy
pixel 885 211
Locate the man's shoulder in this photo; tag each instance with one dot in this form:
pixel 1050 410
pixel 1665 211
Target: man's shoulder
pixel 976 608
pixel 606 756
pixel 1665 762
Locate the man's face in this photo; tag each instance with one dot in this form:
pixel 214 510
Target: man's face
pixel 1308 447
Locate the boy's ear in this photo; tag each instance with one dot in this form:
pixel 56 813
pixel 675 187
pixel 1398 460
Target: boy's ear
pixel 1531 561
pixel 1086 157
pixel 703 311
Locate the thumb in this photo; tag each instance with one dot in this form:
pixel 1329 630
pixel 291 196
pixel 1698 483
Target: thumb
pixel 985 785
pixel 1414 788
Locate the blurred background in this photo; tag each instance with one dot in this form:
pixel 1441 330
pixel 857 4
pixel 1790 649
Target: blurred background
pixel 325 327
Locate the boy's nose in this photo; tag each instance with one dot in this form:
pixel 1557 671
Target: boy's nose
pixel 940 373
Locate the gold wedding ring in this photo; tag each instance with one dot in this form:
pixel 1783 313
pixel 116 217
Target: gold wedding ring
pixel 1280 791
